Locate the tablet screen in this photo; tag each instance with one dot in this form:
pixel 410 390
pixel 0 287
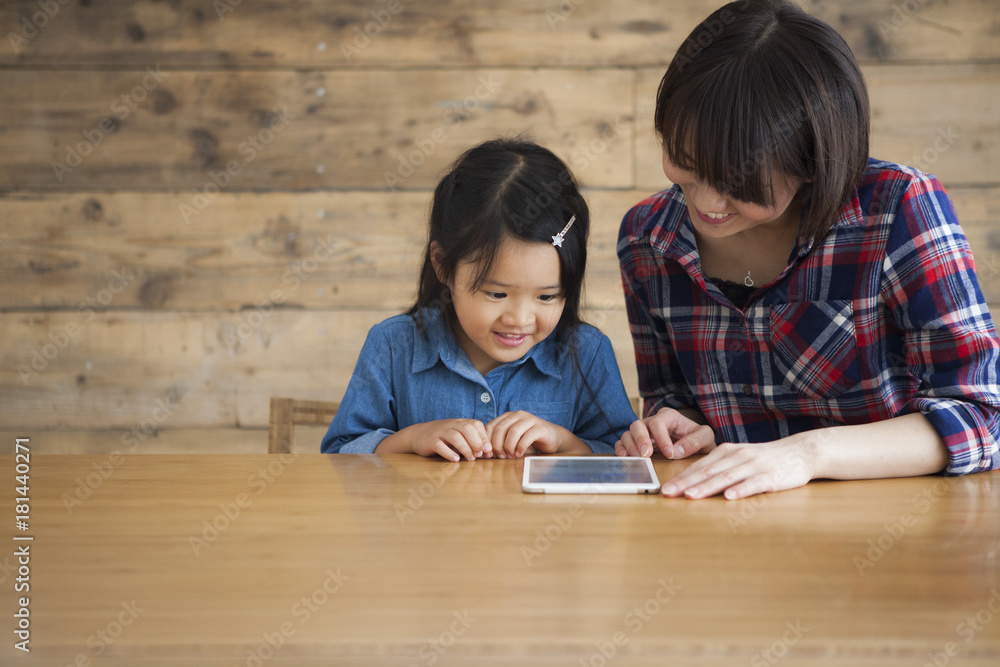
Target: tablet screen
pixel 589 474
pixel 590 470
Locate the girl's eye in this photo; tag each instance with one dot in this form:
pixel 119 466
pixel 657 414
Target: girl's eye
pixel 496 295
pixel 548 298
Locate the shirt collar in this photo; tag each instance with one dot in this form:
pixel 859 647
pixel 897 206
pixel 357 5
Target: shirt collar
pixel 438 343
pixel 672 234
pixel 667 228
pixel 850 215
pixel 546 358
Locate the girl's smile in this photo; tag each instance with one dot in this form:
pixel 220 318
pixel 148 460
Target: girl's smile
pixel 510 340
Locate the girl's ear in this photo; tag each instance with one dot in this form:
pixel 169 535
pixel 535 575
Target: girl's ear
pixel 437 261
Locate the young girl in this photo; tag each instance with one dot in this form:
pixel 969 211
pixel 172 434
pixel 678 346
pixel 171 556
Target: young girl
pixel 815 312
pixel 492 360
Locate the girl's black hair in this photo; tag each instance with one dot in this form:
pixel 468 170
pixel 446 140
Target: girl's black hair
pixel 505 188
pixel 761 87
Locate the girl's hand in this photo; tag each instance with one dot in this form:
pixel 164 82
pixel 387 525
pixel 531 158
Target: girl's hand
pixel 739 471
pixel 673 433
pixel 451 438
pixel 512 433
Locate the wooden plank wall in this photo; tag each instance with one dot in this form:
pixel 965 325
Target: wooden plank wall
pixel 204 203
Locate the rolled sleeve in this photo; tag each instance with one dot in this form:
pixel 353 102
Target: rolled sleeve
pixel 968 431
pixel 931 289
pixel 364 444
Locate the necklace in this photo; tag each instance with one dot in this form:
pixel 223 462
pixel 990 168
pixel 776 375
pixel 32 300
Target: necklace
pixel 748 281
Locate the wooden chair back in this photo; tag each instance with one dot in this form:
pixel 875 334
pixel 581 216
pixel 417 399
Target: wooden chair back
pixel 287 412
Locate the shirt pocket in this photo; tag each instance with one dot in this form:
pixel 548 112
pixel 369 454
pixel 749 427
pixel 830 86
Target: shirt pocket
pixel 558 412
pixel 815 349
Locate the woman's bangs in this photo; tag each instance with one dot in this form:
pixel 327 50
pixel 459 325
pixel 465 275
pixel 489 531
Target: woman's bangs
pixel 730 150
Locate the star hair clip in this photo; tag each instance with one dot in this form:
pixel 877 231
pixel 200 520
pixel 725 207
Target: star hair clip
pixel 557 240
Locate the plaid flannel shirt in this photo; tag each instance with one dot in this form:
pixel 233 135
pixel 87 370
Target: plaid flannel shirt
pixel 882 317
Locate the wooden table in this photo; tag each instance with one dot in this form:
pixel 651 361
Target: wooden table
pixel 364 560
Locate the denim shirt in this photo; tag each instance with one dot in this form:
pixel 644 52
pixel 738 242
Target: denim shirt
pixel 406 376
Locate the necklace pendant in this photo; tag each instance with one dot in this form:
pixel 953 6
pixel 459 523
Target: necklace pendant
pixel 748 281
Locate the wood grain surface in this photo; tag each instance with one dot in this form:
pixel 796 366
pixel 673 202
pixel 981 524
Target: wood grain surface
pixel 399 560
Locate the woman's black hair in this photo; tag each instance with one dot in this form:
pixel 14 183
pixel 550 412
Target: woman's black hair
pixel 500 189
pixel 761 87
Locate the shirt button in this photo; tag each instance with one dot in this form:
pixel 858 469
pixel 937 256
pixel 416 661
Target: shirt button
pixel 748 390
pixel 484 397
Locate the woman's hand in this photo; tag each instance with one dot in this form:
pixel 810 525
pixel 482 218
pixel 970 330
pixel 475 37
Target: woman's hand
pixel 513 433
pixel 903 446
pixel 673 433
pixel 452 439
pixel 739 471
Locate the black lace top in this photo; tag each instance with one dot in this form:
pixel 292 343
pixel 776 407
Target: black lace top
pixel 738 293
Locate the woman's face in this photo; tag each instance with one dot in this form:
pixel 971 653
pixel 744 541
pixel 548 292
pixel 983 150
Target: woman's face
pixel 716 216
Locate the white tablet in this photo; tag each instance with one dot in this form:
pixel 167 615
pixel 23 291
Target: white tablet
pixel 589 474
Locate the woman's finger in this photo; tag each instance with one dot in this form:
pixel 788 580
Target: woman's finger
pixel 641 440
pixel 659 427
pixel 700 440
pixel 715 463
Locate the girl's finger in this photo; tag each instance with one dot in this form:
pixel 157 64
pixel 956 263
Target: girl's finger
pixel 487 445
pixel 498 437
pixel 456 440
pixel 513 439
pixel 528 438
pixel 445 452
pixel 475 437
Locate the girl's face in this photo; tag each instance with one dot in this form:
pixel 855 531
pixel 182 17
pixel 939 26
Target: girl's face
pixel 517 307
pixel 716 216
